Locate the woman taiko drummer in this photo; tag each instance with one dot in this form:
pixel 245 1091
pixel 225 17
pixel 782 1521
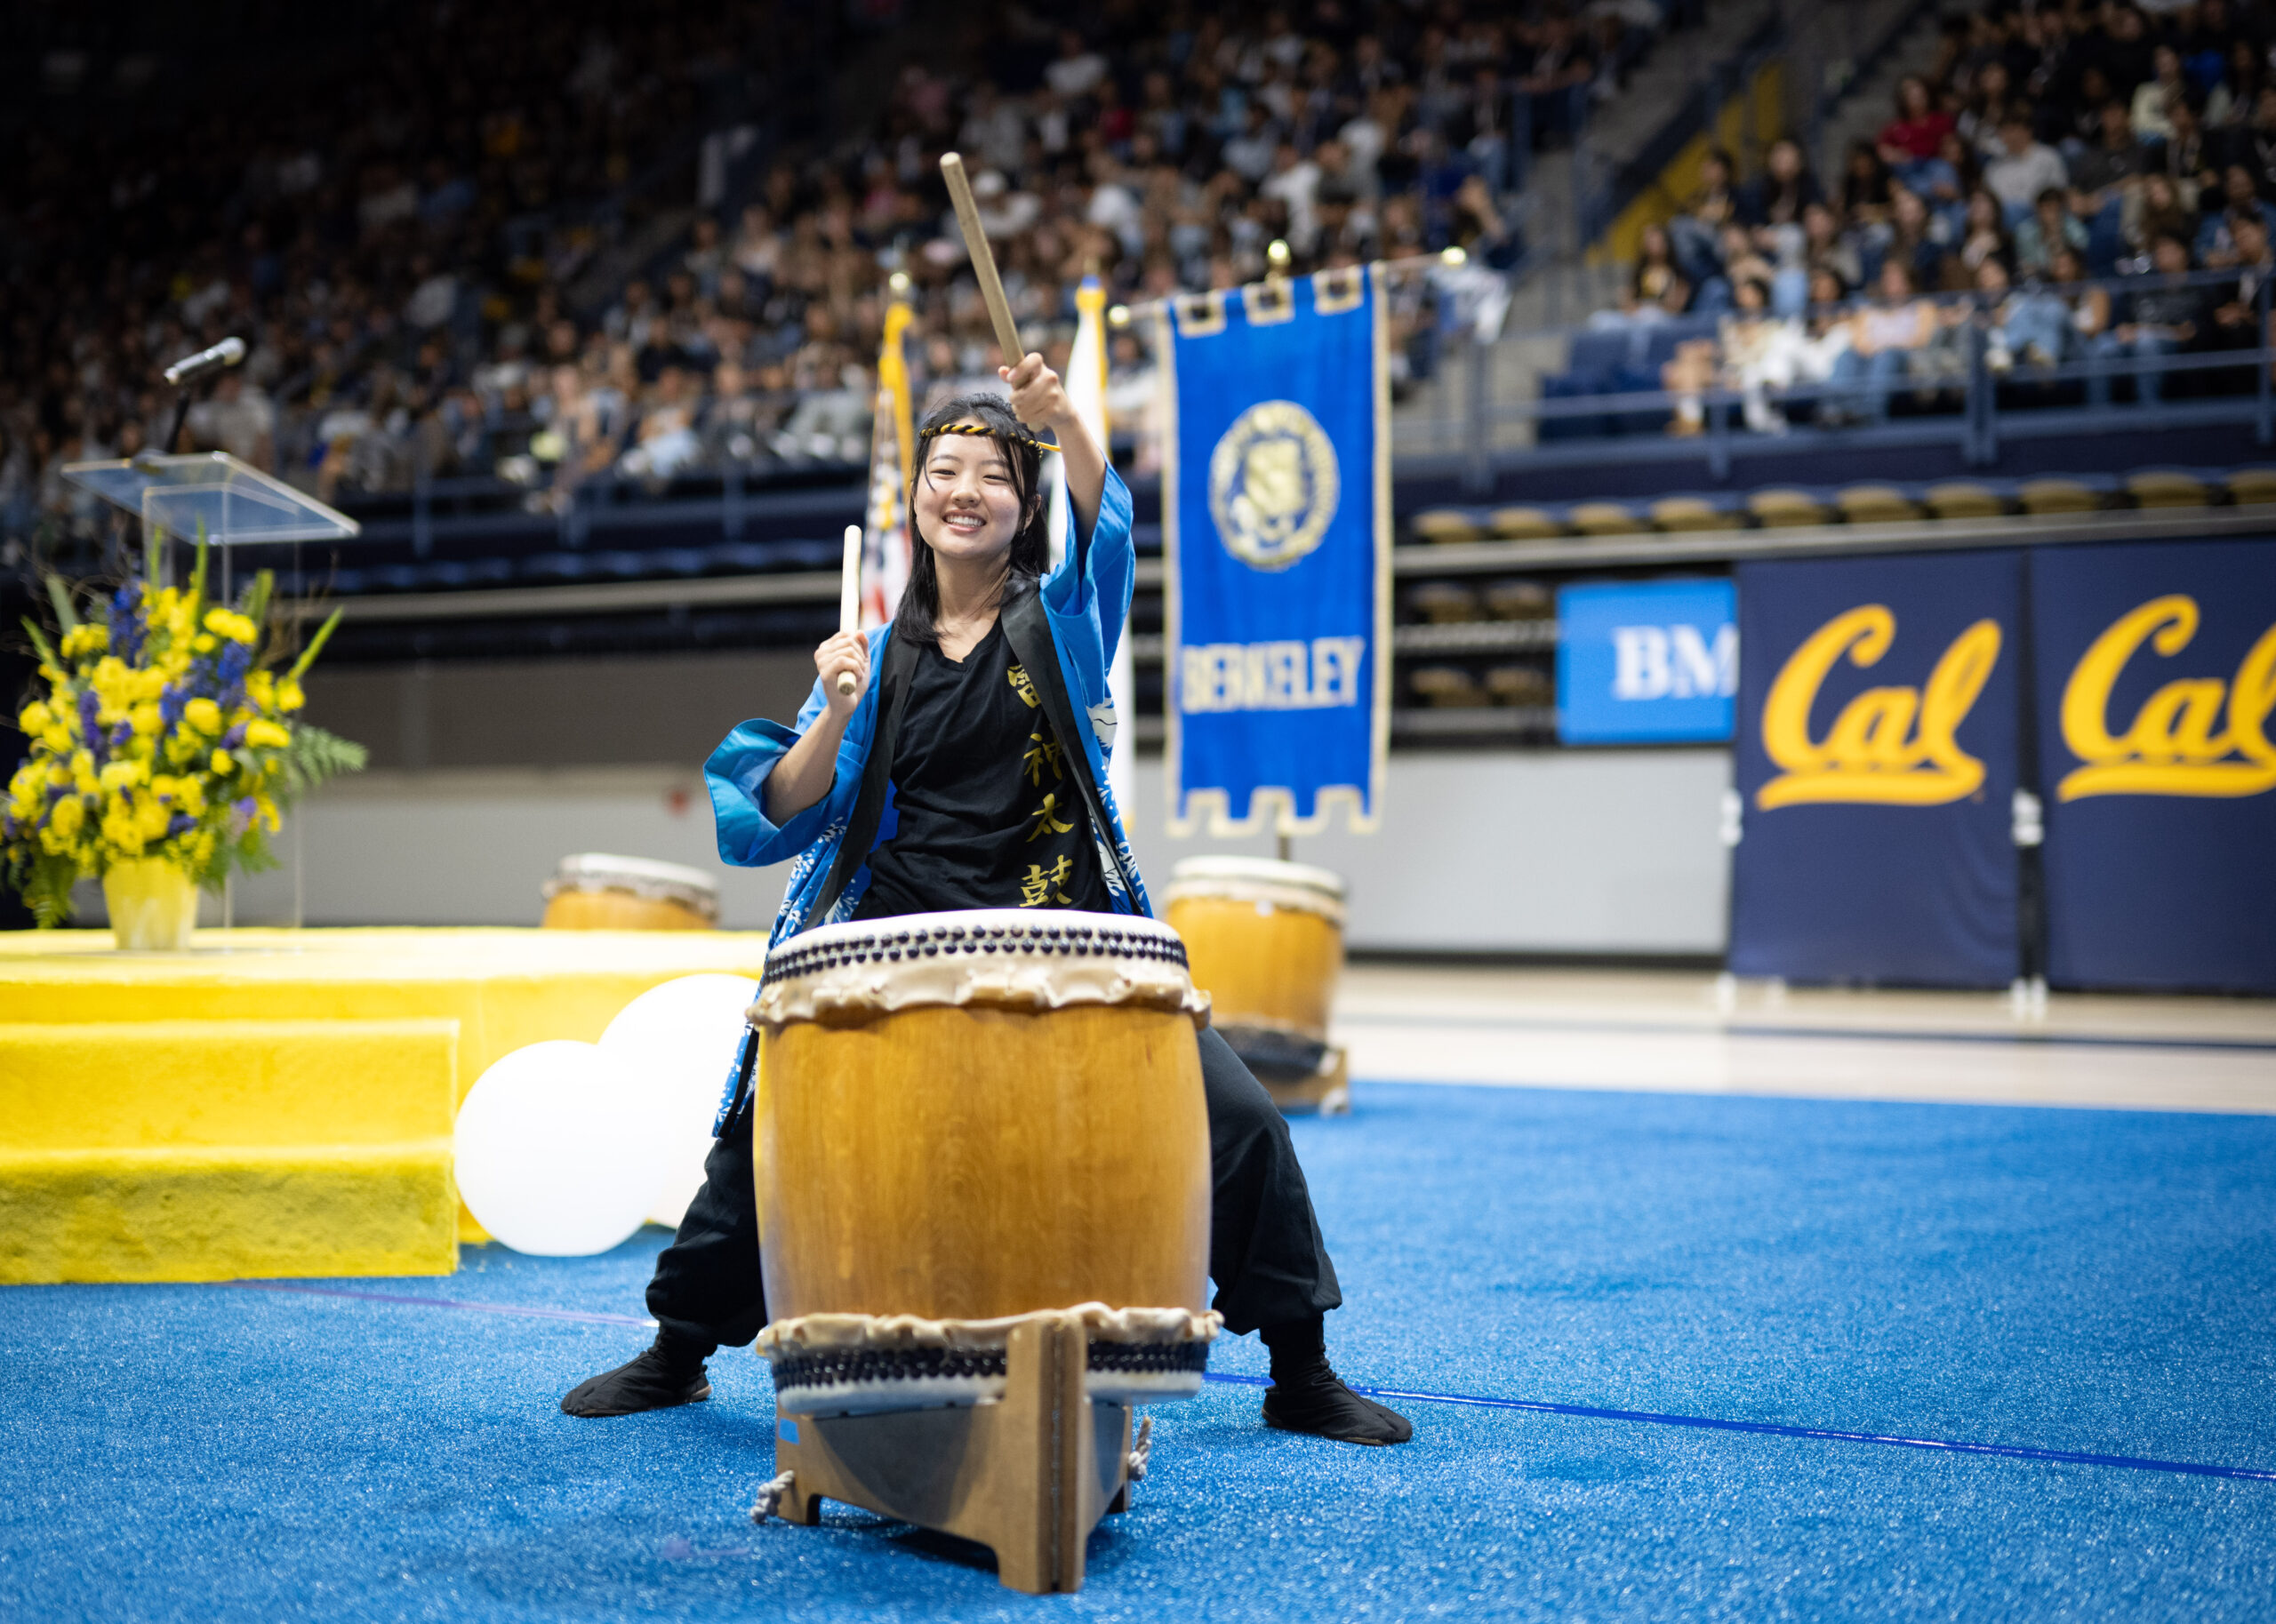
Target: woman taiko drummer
pixel 985 703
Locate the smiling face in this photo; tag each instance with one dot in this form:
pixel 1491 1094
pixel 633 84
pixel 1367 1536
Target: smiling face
pixel 967 505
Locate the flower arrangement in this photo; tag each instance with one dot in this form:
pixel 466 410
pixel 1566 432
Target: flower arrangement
pixel 163 732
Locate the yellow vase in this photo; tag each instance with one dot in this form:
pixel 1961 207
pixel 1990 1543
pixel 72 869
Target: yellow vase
pixel 153 904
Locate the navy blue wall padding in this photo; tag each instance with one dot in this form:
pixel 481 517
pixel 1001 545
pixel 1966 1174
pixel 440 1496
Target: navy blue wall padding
pixel 2152 887
pixel 1856 890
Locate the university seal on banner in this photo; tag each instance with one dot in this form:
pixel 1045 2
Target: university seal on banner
pixel 1273 485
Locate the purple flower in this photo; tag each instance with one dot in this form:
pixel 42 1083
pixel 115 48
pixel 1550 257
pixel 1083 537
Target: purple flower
pixel 235 658
pixel 241 815
pixel 182 823
pixel 126 622
pixel 120 734
pixel 91 726
pixel 169 704
pixel 235 737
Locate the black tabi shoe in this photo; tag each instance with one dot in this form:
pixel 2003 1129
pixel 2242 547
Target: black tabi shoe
pixel 1315 1401
pixel 661 1376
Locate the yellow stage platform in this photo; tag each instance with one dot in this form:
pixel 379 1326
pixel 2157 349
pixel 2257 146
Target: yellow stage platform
pixel 277 1103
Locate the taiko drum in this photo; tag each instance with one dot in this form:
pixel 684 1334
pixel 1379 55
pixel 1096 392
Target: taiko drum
pixel 963 1116
pixel 1265 940
pixel 596 891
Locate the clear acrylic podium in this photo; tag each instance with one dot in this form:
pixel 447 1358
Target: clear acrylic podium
pixel 236 503
pixel 231 504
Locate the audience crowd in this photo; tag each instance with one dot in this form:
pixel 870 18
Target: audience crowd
pixel 2087 186
pixel 473 252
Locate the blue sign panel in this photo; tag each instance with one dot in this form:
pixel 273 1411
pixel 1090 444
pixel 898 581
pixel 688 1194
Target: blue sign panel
pixel 1277 523
pixel 1647 662
pixel 2156 676
pixel 1877 759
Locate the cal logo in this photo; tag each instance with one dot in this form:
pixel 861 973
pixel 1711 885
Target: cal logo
pixel 1897 746
pixel 2176 744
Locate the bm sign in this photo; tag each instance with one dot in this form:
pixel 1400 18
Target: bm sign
pixel 1647 662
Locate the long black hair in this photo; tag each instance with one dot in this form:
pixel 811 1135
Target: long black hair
pixel 920 599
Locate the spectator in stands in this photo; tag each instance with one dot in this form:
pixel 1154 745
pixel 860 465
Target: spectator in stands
pixel 2186 154
pixel 1919 128
pixel 2236 321
pixel 1778 196
pixel 237 418
pixel 2086 303
pixel 1918 240
pixel 2025 167
pixel 2049 228
pixel 1884 335
pixel 1764 352
pixel 1696 232
pixel 2104 174
pixel 2030 324
pixel 2166 315
pixel 2166 212
pixel 1985 236
pixel 1990 104
pixel 2155 99
pixel 2215 243
pixel 1826 246
pixel 1865 185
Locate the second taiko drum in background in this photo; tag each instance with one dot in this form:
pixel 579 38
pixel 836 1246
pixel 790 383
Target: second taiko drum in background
pixel 1265 942
pixel 962 1118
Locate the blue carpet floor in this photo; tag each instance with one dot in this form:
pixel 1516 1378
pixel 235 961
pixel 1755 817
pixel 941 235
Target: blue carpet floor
pixel 2091 1282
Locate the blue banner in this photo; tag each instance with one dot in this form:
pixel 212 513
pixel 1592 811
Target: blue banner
pixel 1647 662
pixel 1276 511
pixel 2155 672
pixel 1877 760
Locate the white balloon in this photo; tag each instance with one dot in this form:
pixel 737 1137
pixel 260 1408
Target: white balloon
pixel 679 1040
pixel 557 1154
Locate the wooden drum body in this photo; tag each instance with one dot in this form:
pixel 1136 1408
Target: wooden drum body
pixel 1265 940
pixel 594 891
pixel 968 1119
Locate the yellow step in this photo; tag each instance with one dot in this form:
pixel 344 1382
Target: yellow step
pixel 182 1084
pixel 227 1213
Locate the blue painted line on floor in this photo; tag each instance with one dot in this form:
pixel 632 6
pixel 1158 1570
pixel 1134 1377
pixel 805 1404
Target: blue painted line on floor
pixel 1649 1418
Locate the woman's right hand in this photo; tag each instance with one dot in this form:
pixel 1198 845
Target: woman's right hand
pixel 846 654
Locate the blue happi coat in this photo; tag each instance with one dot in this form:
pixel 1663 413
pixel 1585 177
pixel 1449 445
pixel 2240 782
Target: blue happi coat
pixel 1085 602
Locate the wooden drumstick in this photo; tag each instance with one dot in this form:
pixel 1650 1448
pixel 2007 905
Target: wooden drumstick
pixel 849 600
pixel 983 259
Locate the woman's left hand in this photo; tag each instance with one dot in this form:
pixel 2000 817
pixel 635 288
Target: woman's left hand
pixel 1037 396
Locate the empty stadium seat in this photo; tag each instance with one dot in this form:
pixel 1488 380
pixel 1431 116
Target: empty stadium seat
pixel 2058 496
pixel 2252 486
pixel 1875 504
pixel 1781 510
pixel 1441 602
pixel 1693 513
pixel 1447 524
pixel 1518 600
pixel 1524 524
pixel 1963 498
pixel 1606 519
pixel 2167 488
pixel 1448 687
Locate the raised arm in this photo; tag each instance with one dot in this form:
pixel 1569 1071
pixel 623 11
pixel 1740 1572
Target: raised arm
pixel 803 776
pixel 1037 396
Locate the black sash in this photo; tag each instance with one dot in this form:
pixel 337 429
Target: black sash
pixel 1029 633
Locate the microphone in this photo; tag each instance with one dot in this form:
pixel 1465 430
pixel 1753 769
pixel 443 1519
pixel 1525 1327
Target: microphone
pixel 190 369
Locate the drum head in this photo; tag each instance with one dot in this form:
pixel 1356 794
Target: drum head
pixel 1009 957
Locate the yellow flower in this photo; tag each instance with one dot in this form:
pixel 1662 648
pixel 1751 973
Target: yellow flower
pixel 261 687
pixel 289 696
pixel 34 718
pixel 151 819
pixel 205 643
pixel 123 833
pixel 204 714
pixel 229 623
pixel 123 774
pixel 57 738
pixel 69 813
pixel 267 735
pixel 87 638
pixel 222 763
pixel 265 810
pixel 145 720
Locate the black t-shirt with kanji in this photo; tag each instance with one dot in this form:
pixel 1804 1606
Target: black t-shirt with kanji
pixel 989 816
